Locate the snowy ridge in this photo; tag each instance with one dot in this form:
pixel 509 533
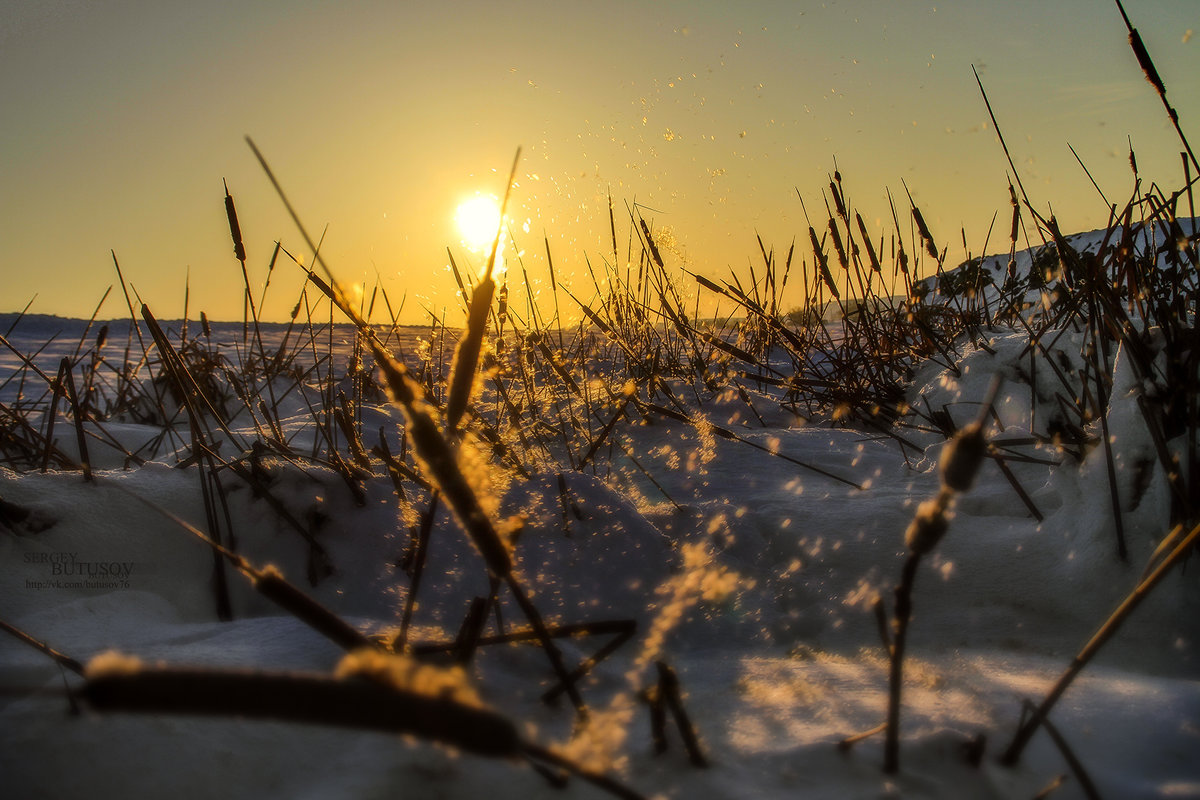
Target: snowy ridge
pixel 1037 267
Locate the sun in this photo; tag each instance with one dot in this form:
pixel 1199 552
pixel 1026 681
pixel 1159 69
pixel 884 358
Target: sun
pixel 478 219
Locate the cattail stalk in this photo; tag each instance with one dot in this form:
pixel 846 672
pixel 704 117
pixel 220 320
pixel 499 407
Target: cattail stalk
pixel 960 463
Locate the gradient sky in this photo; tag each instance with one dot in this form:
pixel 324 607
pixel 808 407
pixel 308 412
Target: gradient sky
pixel 118 121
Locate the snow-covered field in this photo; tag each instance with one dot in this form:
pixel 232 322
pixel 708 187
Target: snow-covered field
pixel 755 581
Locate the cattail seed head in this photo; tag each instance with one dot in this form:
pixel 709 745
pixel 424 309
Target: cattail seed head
pixel 923 229
pixel 963 457
pixel 650 241
pixel 837 244
pixel 707 284
pixel 822 262
pixel 1144 61
pixel 235 229
pixel 466 354
pixel 862 228
pixel 928 525
pixel 837 200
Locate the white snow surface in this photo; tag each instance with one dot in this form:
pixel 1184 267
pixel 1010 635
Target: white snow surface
pixel 774 674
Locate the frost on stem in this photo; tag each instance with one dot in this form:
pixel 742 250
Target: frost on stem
pixel 408 674
pixel 111 662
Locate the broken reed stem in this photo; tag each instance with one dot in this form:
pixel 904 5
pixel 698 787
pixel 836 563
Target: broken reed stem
pixel 1106 631
pixel 37 644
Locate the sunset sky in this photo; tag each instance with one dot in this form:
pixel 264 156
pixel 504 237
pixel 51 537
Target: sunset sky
pixel 119 121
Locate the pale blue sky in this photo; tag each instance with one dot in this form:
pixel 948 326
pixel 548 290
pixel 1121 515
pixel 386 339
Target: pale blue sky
pixel 120 120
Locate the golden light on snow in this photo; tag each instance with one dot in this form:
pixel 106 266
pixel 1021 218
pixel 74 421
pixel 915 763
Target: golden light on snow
pixel 478 220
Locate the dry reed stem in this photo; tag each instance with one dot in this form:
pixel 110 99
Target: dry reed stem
pixel 1105 632
pixel 37 644
pixel 1086 785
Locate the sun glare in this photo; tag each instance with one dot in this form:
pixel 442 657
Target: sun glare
pixel 478 219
